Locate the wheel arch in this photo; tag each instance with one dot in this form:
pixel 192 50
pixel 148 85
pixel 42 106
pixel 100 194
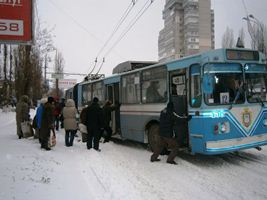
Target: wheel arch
pixel 147 126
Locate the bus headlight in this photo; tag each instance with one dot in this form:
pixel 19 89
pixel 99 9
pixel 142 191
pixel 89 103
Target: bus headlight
pixel 221 128
pixel 265 122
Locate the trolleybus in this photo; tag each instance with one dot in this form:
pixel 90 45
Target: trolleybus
pixel 224 91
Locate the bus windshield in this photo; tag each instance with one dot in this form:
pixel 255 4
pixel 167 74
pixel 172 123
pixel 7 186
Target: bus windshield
pixel 256 78
pixel 226 81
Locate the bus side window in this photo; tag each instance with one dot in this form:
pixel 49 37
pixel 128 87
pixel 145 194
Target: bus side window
pixel 195 89
pixel 154 88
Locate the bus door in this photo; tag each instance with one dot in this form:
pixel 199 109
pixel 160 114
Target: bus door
pixel 113 95
pixel 178 95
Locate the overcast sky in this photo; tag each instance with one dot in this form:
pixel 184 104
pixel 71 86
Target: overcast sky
pixel 83 26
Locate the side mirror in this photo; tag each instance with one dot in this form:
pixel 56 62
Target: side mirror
pixel 208 83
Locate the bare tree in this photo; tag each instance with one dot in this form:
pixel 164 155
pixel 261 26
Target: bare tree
pixel 5 83
pixel 23 71
pixel 59 62
pixel 59 69
pixel 258 33
pixel 228 38
pixel 259 39
pixel 28 66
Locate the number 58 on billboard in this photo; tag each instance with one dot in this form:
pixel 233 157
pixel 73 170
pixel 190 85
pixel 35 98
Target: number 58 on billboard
pixel 16 21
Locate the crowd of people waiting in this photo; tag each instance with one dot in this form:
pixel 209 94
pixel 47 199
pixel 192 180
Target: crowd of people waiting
pixel 52 115
pixel 96 119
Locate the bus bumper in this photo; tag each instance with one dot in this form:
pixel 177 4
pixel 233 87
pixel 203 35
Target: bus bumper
pixel 230 145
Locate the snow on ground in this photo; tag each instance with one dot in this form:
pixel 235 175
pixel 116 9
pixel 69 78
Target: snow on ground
pixel 122 171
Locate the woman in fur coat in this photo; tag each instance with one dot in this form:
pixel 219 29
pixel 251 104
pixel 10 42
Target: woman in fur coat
pixel 70 123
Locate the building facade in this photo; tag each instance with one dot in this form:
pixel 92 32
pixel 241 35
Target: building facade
pixel 188 29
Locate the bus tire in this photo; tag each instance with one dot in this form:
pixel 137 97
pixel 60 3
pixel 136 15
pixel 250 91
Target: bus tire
pixel 153 136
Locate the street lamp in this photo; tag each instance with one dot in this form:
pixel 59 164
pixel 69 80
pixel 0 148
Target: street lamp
pixel 253 34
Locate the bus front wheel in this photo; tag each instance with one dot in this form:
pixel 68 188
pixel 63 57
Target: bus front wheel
pixel 153 136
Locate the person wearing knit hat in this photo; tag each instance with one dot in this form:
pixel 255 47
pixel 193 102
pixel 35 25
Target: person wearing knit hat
pixel 95 100
pixel 50 99
pixel 47 123
pixel 94 123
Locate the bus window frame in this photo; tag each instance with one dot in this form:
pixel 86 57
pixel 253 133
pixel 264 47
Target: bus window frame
pixel 200 85
pixel 165 95
pixel 121 87
pixel 246 89
pixel 243 79
pixel 88 86
pixel 102 98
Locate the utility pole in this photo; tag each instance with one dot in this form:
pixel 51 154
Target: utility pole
pixel 57 89
pixel 45 67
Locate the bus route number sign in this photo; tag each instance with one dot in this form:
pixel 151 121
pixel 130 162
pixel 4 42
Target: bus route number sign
pixel 16 19
pixel 11 27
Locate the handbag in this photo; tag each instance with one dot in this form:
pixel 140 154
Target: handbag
pixel 52 139
pixel 84 137
pixel 82 128
pixel 26 129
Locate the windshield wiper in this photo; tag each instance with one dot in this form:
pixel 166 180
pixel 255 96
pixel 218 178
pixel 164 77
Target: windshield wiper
pixel 259 100
pixel 236 96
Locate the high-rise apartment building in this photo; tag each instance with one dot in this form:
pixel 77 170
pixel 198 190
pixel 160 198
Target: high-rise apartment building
pixel 188 29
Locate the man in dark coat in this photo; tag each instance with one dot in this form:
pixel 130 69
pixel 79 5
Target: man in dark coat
pixel 94 123
pixel 22 113
pixel 47 123
pixel 61 118
pixel 167 119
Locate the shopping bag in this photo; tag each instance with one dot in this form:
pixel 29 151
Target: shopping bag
pixel 82 128
pixel 26 129
pixel 84 137
pixel 52 139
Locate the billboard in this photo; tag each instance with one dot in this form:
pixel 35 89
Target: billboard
pixel 16 21
pixel 66 83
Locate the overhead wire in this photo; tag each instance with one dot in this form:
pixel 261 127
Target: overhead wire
pixel 74 20
pixel 245 7
pixel 122 19
pixel 100 66
pixel 77 23
pixel 93 66
pixel 118 25
pixel 250 27
pixel 131 24
pixel 129 27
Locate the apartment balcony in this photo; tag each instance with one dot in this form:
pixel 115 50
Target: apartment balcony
pixel 171 3
pixel 190 2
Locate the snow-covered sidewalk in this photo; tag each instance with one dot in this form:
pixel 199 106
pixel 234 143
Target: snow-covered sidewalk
pixel 122 171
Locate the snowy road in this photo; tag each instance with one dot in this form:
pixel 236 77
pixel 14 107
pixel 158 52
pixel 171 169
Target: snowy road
pixel 122 171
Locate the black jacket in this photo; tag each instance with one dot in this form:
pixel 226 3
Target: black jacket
pixel 94 118
pixel 166 124
pixel 107 109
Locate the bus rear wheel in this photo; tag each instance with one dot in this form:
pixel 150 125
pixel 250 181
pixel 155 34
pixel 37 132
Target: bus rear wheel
pixel 153 136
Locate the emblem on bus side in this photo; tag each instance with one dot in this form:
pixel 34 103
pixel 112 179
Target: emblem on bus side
pixel 246 117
